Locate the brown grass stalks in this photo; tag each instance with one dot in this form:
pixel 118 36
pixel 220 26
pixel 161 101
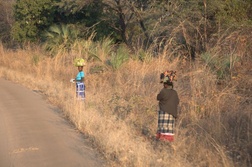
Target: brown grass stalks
pixel 120 111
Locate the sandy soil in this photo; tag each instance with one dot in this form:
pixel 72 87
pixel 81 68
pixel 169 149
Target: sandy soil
pixel 34 134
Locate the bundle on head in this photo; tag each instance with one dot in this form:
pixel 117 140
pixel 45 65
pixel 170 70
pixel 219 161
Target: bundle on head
pixel 79 62
pixel 168 75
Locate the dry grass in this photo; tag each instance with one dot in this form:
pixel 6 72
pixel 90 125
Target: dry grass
pixel 119 114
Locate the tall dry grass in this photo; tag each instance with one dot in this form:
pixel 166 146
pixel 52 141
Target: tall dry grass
pixel 120 112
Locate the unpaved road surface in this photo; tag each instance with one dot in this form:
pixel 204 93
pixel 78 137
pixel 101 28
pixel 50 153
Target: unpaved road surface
pixel 33 133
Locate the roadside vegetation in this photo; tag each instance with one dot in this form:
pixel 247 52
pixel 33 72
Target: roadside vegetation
pixel 208 44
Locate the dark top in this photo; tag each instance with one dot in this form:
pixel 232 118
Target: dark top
pixel 168 101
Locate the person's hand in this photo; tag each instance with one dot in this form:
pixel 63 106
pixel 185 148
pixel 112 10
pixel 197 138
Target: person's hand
pixel 72 80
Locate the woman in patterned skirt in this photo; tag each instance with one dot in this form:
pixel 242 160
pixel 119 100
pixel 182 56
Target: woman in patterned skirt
pixel 168 104
pixel 79 79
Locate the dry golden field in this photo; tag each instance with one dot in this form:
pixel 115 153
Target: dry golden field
pixel 214 128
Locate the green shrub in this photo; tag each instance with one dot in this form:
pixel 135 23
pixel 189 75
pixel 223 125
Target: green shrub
pixel 222 65
pixel 119 57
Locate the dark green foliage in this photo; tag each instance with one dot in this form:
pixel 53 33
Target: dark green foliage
pixel 89 14
pixel 119 57
pixel 6 19
pixel 140 24
pixel 221 65
pixel 60 37
pixel 32 17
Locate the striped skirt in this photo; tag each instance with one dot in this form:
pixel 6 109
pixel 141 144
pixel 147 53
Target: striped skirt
pixel 166 124
pixel 80 91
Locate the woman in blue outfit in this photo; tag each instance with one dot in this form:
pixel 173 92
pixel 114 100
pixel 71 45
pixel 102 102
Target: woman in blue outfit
pixel 80 76
pixel 79 79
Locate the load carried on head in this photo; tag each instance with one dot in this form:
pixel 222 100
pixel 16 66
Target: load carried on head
pixel 168 76
pixel 78 62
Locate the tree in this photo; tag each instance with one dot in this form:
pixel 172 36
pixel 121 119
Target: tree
pixel 88 14
pixel 6 20
pixel 155 24
pixel 118 19
pixel 31 18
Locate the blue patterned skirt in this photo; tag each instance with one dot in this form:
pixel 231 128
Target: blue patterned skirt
pixel 80 91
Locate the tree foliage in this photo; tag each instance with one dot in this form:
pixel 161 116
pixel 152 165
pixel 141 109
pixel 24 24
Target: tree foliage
pixel 141 24
pixel 6 19
pixel 31 17
pixel 60 36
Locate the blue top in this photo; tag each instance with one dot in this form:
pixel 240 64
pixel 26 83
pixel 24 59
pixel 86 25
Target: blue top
pixel 79 76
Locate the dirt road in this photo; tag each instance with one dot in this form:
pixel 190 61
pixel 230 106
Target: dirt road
pixel 33 134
